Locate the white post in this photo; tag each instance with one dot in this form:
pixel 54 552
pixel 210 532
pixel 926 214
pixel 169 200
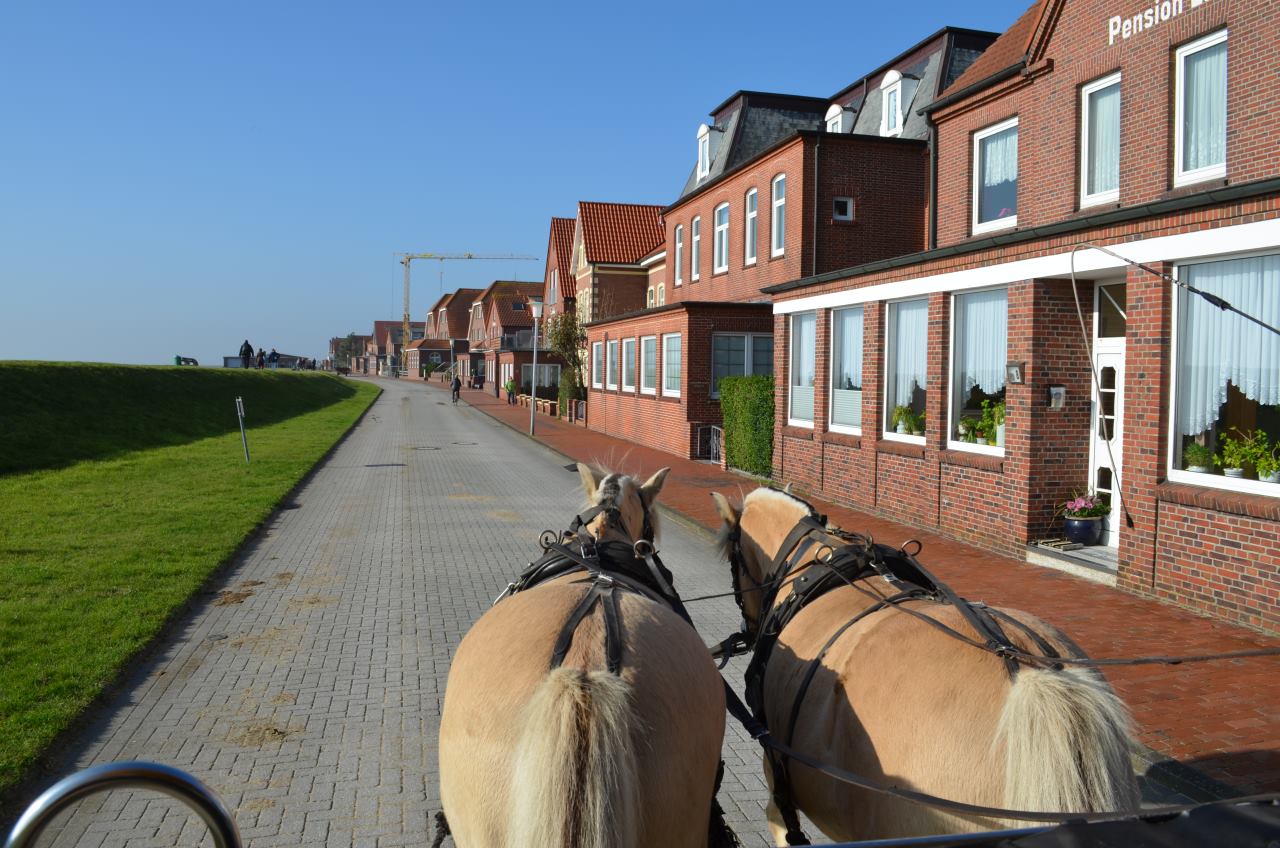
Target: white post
pixel 243 438
pixel 535 305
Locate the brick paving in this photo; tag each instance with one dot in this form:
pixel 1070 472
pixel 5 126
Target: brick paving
pixel 1217 720
pixel 306 688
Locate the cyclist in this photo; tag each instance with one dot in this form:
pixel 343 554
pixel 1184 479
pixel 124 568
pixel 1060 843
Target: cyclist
pixel 457 388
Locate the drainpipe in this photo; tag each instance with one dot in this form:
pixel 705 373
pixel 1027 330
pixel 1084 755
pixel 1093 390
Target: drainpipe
pixel 817 149
pixel 933 180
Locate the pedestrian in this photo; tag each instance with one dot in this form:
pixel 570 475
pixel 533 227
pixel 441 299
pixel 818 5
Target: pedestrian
pixel 246 354
pixel 273 359
pixel 262 359
pixel 456 387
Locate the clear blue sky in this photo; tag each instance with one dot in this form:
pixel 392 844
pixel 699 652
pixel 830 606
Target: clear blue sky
pixel 175 177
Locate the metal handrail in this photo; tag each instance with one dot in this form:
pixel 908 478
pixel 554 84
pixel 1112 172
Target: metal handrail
pixel 128 775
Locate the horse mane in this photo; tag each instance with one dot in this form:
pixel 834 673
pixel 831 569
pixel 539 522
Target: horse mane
pixel 761 494
pixel 610 489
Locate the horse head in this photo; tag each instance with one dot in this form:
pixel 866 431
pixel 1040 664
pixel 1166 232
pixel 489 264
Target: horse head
pixel 750 538
pixel 625 508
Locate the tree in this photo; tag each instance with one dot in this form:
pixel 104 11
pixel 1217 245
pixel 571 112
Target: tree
pixel 346 350
pixel 565 336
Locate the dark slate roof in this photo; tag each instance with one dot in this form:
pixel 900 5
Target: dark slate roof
pixel 1008 49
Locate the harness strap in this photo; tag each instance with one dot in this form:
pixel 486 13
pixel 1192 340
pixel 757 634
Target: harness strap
pixel 603 589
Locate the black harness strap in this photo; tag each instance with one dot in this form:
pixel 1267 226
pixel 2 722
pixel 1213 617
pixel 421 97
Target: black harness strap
pixel 603 590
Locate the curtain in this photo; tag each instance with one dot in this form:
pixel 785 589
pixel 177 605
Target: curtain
pixel 804 339
pixel 1204 108
pixel 1216 347
pixel 982 341
pixel 1104 140
pixel 999 192
pixel 846 394
pixel 910 349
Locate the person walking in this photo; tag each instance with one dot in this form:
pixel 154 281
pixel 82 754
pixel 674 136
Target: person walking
pixel 246 354
pixel 273 359
pixel 262 359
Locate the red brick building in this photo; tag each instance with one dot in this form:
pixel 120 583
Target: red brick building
pixel 954 387
pixel 501 341
pixel 783 187
pixel 448 321
pixel 558 294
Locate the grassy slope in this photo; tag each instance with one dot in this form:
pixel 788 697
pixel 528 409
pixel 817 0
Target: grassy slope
pixel 94 558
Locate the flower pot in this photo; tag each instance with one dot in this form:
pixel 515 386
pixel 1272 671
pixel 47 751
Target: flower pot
pixel 917 432
pixel 1233 472
pixel 901 428
pixel 1199 469
pixel 1273 477
pixel 1085 531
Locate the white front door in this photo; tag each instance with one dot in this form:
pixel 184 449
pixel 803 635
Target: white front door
pixel 1106 442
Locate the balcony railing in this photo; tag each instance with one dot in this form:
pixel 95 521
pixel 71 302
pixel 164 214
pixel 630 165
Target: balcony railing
pixel 520 340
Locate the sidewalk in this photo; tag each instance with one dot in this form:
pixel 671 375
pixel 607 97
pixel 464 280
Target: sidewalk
pixel 1217 719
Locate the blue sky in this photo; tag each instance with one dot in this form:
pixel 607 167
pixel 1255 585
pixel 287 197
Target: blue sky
pixel 175 177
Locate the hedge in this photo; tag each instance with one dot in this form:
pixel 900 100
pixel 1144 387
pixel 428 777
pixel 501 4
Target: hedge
pixel 747 406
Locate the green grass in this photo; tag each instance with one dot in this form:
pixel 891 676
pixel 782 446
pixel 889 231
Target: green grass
pixel 53 414
pixel 96 557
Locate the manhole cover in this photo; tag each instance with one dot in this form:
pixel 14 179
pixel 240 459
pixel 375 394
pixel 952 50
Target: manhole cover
pixel 466 443
pixel 426 447
pixel 385 465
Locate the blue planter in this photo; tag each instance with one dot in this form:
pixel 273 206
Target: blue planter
pixel 1085 531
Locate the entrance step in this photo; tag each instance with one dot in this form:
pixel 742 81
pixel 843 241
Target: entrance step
pixel 1095 562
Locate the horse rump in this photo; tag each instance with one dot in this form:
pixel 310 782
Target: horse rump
pixel 575 780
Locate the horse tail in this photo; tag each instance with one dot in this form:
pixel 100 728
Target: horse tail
pixel 575 780
pixel 1067 743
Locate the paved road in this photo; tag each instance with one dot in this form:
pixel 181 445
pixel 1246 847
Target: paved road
pixel 307 691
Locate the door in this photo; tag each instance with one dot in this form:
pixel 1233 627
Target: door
pixel 1106 442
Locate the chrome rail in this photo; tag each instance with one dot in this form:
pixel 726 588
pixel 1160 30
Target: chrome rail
pixel 128 775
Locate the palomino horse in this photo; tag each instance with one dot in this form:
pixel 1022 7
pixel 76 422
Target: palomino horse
pixel 582 755
pixel 903 702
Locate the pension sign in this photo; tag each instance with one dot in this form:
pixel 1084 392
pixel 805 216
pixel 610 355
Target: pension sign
pixel 1124 27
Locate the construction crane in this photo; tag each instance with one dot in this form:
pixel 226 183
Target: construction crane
pixel 406 258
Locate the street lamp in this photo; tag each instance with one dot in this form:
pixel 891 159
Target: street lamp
pixel 535 306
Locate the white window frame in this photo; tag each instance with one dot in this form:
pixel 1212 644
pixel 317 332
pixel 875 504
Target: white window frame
pixel 750 226
pixel 1209 172
pixel 665 391
pixel 649 298
pixel 611 365
pixel 952 444
pixel 791 336
pixel 847 429
pixel 1194 478
pixel 662 294
pixel 720 240
pixel 679 237
pixel 704 151
pixel 628 376
pixel 1008 220
pixel 886 432
pixel 748 357
pixel 597 364
pixel 695 247
pixel 778 221
pixel 1112 195
pixel 649 390
pixel 894 87
pixel 835 215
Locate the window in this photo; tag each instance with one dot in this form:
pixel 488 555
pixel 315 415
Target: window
pixel 846 369
pixel 680 254
pixel 1226 369
pixel 979 351
pixel 695 247
pixel 597 364
pixel 1200 110
pixel 671 365
pixel 779 217
pixel 995 177
pixel 628 365
pixel 648 298
pixel 554 287
pixel 611 366
pixel 649 365
pixel 704 151
pixel 891 104
pixel 749 237
pixel 842 209
pixel 906 367
pixel 1100 141
pixel 548 379
pixel 720 240
pixel 517 306
pixel 836 119
pixel 804 341
pixel 739 354
pixel 662 294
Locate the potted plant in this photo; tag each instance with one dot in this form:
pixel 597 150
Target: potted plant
pixel 1266 459
pixel 993 422
pixel 917 424
pixel 901 419
pixel 1082 518
pixel 1197 457
pixel 1235 452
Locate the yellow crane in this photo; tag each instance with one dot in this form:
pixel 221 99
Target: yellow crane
pixel 406 258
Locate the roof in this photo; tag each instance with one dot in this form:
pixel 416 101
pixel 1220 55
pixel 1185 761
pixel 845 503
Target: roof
pixel 1006 51
pixel 457 311
pixel 619 233
pixel 562 251
pixel 382 328
pixel 430 344
pixel 501 295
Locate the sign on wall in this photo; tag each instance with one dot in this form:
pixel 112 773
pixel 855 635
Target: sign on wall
pixel 1124 27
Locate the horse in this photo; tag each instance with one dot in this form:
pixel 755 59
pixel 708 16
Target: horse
pixel 875 689
pixel 568 722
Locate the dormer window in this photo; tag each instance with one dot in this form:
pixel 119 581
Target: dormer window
pixel 839 119
pixel 518 306
pixel 891 104
pixel 704 151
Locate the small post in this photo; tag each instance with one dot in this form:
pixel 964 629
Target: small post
pixel 243 438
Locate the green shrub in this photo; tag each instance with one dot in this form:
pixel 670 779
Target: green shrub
pixel 569 390
pixel 747 406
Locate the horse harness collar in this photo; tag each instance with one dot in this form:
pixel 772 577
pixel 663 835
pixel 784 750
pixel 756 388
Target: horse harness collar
pixel 811 566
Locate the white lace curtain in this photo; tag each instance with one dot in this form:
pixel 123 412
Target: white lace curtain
pixel 1216 347
pixel 1104 140
pixel 1204 114
pixel 848 348
pixel 1000 158
pixel 982 342
pixel 910 349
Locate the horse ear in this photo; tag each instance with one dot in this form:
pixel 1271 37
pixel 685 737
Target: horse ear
pixel 590 482
pixel 728 513
pixel 649 491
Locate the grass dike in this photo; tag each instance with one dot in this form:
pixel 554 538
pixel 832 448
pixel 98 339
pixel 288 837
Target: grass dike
pixel 123 490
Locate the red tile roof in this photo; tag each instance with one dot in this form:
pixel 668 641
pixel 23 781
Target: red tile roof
pixel 620 233
pixel 457 312
pixel 562 245
pixel 1005 51
pixel 430 344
